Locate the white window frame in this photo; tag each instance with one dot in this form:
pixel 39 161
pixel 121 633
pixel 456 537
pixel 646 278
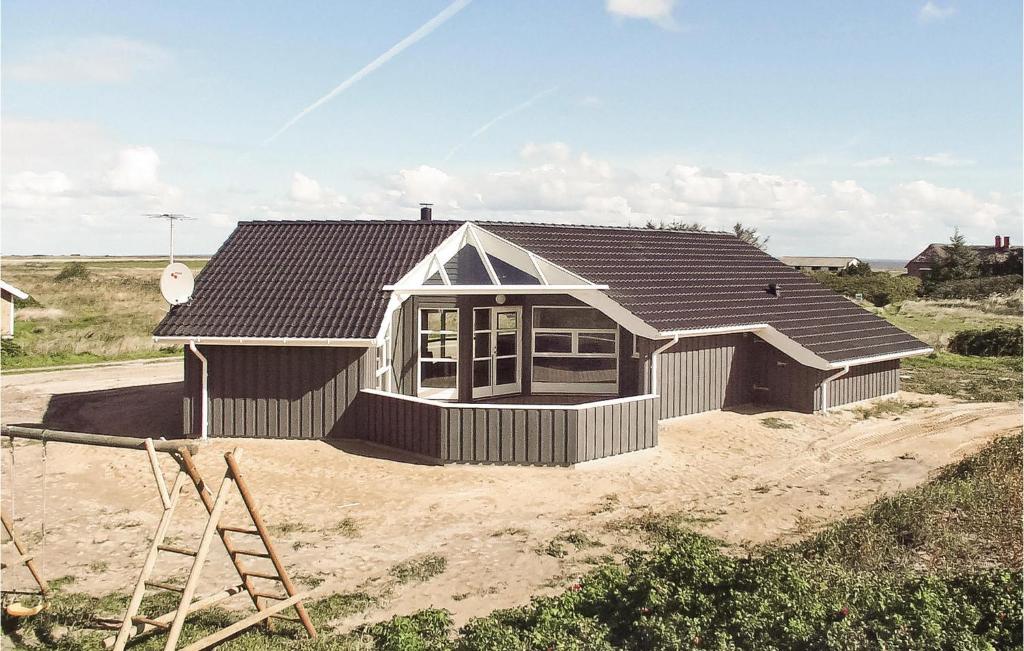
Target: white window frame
pixel 435 394
pixel 572 387
pixel 494 389
pixel 383 360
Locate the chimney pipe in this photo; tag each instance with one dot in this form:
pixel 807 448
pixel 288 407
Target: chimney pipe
pixel 425 212
pixel 1006 242
pixel 775 289
pixel 999 243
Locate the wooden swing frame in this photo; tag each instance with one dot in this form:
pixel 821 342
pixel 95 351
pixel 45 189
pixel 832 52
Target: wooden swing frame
pixel 182 452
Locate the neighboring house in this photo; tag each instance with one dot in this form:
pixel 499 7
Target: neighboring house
pixel 7 295
pixel 509 342
pixel 811 263
pixel 924 261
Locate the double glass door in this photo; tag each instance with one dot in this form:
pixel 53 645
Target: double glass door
pixel 497 358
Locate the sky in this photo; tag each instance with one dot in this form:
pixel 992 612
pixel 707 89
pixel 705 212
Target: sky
pixel 836 128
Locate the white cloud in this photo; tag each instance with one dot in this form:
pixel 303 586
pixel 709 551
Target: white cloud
pixel 658 12
pixel 94 59
pixel 136 172
pixel 591 101
pixel 304 189
pixel 881 161
pixel 945 159
pixel 931 12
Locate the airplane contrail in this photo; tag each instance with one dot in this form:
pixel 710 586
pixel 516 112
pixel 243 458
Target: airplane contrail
pixel 395 50
pixel 512 111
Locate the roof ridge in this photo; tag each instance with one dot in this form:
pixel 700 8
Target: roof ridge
pixel 478 222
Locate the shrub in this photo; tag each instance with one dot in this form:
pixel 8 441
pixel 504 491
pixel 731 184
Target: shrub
pixel 72 271
pixel 879 288
pixel 993 342
pixel 9 348
pixel 975 288
pixel 26 302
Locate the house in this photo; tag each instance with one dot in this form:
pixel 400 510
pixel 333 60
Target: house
pixel 923 262
pixel 8 293
pixel 509 342
pixel 811 263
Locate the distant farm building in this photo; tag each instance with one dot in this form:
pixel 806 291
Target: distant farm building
pixel 999 251
pixel 818 263
pixel 8 293
pixel 497 342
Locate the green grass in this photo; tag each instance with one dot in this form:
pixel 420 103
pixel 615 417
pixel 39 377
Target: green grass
pixel 890 407
pixel 107 315
pixel 981 379
pixel 773 422
pixel 419 569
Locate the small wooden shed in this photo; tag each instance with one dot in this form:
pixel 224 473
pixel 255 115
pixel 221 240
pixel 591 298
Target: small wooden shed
pixel 509 342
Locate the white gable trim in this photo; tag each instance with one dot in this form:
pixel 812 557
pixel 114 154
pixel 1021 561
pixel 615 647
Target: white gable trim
pixel 11 289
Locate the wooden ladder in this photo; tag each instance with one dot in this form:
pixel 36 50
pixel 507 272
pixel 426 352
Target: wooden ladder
pixel 268 604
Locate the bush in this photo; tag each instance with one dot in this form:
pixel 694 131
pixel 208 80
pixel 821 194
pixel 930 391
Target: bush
pixel 879 288
pixel 975 288
pixel 72 271
pixel 994 342
pixel 8 348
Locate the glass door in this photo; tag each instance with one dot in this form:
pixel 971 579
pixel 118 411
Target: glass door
pixel 497 359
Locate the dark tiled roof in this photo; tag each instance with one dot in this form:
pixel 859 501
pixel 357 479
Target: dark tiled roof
pixel 680 280
pixel 324 279
pixel 302 279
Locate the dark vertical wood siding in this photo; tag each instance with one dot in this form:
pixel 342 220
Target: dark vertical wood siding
pixel 546 435
pixel 861 383
pixel 277 391
pixel 704 373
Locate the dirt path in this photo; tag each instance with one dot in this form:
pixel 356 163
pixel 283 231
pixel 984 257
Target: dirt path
pixel 344 516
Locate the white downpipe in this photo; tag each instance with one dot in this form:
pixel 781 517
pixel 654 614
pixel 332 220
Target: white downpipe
pixel 654 362
pixel 205 390
pixel 825 384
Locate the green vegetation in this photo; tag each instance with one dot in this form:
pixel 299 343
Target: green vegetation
pixel 993 342
pixel 890 407
pixel 937 567
pixel 419 569
pixel 773 422
pixel 878 288
pixel 976 288
pixel 83 312
pixel 981 379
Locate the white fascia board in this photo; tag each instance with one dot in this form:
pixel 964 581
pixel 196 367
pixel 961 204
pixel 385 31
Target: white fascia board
pixel 597 299
pixel 265 341
pixel 860 361
pixel 458 290
pixel 11 289
pixel 716 330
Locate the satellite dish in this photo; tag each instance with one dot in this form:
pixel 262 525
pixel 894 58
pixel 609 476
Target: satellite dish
pixel 177 283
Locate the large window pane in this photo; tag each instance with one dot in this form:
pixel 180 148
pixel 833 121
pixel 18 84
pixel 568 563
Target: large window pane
pixel 573 370
pixel 505 371
pixel 482 373
pixel 597 342
pixel 438 346
pixel 506 343
pixel 482 344
pixel 572 317
pixel 552 342
pixel 507 320
pixel 437 375
pixel 451 320
pixel 481 319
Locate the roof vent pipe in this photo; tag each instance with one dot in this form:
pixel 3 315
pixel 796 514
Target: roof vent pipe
pixel 775 289
pixel 425 212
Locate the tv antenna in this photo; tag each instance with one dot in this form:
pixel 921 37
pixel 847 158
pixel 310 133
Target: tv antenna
pixel 171 217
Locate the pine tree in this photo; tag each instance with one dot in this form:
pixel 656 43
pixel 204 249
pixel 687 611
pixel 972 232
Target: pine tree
pixel 958 261
pixel 750 235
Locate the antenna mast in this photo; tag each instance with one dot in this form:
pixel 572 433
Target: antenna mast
pixel 171 218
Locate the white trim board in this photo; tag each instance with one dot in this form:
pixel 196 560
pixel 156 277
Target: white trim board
pixel 266 341
pixel 482 405
pixel 14 291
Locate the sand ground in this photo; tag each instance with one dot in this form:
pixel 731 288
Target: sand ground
pixel 344 514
